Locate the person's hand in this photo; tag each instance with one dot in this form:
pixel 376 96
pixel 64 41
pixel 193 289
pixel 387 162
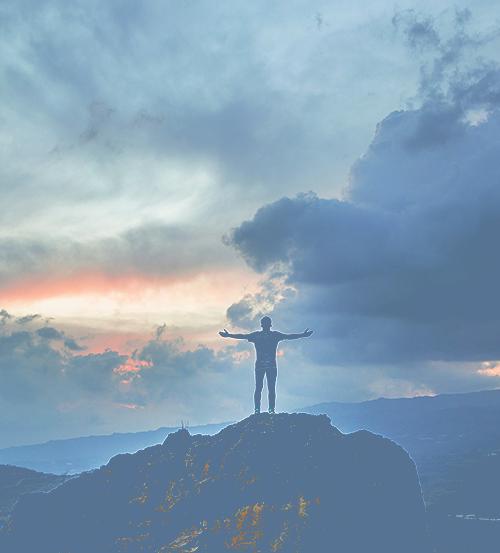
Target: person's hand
pixel 224 333
pixel 307 333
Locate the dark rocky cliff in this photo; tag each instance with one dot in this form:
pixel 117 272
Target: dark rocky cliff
pixel 284 483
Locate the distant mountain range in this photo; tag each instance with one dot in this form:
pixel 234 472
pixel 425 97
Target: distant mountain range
pixel 75 455
pixel 287 483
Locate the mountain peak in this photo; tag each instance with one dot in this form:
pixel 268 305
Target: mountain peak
pixel 284 482
pixel 181 436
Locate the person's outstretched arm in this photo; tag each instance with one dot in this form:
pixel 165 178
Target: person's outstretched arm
pixel 225 334
pixel 304 334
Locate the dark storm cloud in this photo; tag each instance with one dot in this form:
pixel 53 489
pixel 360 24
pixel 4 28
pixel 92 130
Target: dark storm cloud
pixel 405 269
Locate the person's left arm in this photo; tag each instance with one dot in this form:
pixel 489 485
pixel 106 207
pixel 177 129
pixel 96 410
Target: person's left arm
pixel 304 334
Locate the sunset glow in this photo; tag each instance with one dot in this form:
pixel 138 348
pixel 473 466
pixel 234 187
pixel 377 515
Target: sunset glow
pixel 121 312
pixel 171 170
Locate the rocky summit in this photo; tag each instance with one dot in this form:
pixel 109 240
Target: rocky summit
pixel 288 483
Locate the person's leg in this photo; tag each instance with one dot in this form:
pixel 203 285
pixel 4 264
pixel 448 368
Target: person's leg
pixel 259 382
pixel 271 375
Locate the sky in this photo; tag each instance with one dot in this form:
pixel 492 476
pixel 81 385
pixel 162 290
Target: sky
pixel 172 168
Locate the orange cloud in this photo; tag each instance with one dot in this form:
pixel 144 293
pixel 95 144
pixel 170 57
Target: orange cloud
pixel 81 283
pixel 121 313
pixel 490 368
pixel 132 366
pixel 122 341
pixel 132 406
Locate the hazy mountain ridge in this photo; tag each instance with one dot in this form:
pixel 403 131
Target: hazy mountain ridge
pixel 289 483
pixel 76 455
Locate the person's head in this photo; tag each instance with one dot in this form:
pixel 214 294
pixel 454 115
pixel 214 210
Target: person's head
pixel 266 323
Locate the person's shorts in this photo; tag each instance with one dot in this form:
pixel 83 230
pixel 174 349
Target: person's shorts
pixel 266 368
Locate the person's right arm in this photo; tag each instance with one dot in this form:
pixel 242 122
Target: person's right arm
pixel 225 334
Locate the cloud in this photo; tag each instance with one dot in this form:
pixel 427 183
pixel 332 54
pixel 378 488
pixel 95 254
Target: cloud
pixel 124 165
pixel 191 104
pixel 26 319
pixel 419 29
pixel 66 392
pixel 73 345
pixel 403 270
pixel 94 372
pixel 44 385
pixel 214 114
pixel 50 333
pixel 263 105
pixel 171 371
pixel 451 53
pixel 252 307
pixel 160 330
pixel 4 316
pixel 150 251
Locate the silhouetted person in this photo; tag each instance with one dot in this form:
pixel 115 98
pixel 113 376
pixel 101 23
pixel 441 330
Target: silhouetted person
pixel 266 343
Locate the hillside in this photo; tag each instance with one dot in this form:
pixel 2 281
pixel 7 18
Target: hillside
pixel 16 481
pixel 288 483
pixel 444 434
pixel 455 442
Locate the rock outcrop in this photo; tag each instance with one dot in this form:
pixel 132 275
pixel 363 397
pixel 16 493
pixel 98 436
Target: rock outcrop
pixel 289 483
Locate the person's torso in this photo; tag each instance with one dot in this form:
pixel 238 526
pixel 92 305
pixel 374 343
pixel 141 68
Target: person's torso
pixel 266 344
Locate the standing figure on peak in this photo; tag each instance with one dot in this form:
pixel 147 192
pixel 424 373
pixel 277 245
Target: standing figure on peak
pixel 266 343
